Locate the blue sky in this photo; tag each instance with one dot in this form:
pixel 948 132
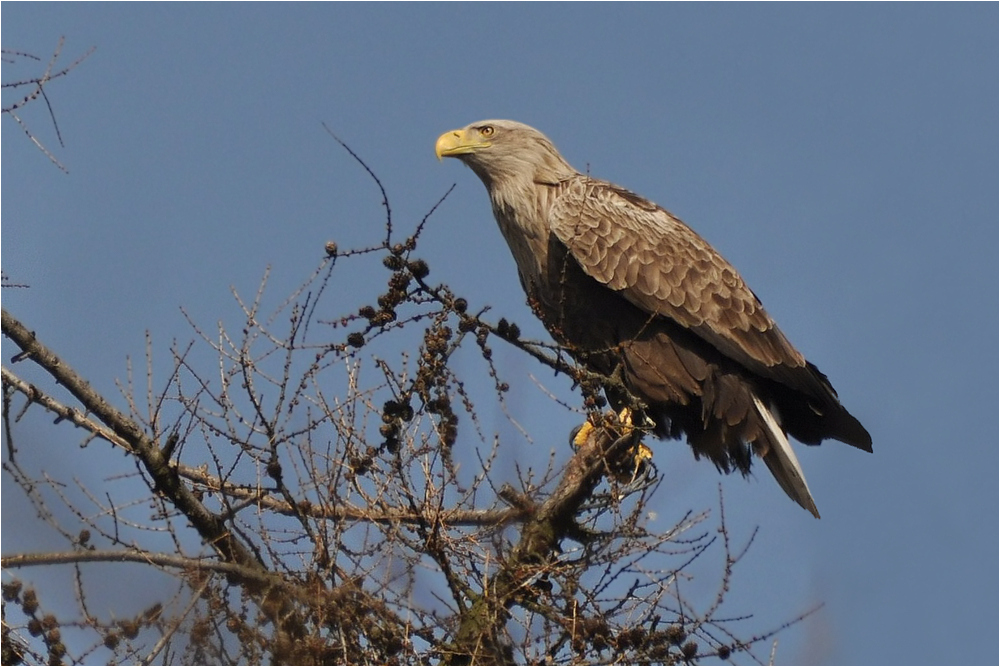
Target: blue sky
pixel 843 157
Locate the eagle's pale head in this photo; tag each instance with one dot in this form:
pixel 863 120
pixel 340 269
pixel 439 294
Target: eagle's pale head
pixel 502 151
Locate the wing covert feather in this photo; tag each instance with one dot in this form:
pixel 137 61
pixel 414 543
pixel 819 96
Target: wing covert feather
pixel 662 266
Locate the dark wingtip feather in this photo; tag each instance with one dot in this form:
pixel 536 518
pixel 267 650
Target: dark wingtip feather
pixel 849 430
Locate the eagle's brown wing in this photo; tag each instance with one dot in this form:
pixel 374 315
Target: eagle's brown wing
pixel 659 264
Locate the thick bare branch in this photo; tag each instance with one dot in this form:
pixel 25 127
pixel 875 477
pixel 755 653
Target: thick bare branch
pixel 479 636
pixel 165 479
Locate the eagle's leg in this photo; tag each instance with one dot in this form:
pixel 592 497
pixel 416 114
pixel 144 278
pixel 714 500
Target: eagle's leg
pixel 639 454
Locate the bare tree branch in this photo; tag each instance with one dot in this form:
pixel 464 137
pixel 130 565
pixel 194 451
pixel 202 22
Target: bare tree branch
pixel 37 89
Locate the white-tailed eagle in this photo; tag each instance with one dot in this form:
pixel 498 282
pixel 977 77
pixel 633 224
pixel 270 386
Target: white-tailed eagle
pixel 632 292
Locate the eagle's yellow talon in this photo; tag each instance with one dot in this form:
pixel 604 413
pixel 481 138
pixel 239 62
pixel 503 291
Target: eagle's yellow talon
pixel 640 453
pixel 580 439
pixel 625 419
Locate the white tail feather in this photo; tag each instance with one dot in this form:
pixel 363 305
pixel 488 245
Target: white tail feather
pixel 782 462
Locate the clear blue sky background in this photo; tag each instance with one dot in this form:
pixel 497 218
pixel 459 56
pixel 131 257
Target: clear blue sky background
pixel 843 157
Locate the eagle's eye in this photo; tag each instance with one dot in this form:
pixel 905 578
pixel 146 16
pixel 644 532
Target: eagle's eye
pixel 486 130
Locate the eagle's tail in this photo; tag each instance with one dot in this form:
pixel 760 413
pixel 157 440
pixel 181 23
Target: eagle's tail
pixel 781 460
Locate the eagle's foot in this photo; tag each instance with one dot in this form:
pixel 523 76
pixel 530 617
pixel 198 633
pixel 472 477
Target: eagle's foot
pixel 634 466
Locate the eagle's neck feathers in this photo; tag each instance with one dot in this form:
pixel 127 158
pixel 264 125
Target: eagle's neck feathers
pixel 521 211
pixel 521 184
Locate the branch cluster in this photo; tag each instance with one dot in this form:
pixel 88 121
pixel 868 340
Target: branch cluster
pixel 20 93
